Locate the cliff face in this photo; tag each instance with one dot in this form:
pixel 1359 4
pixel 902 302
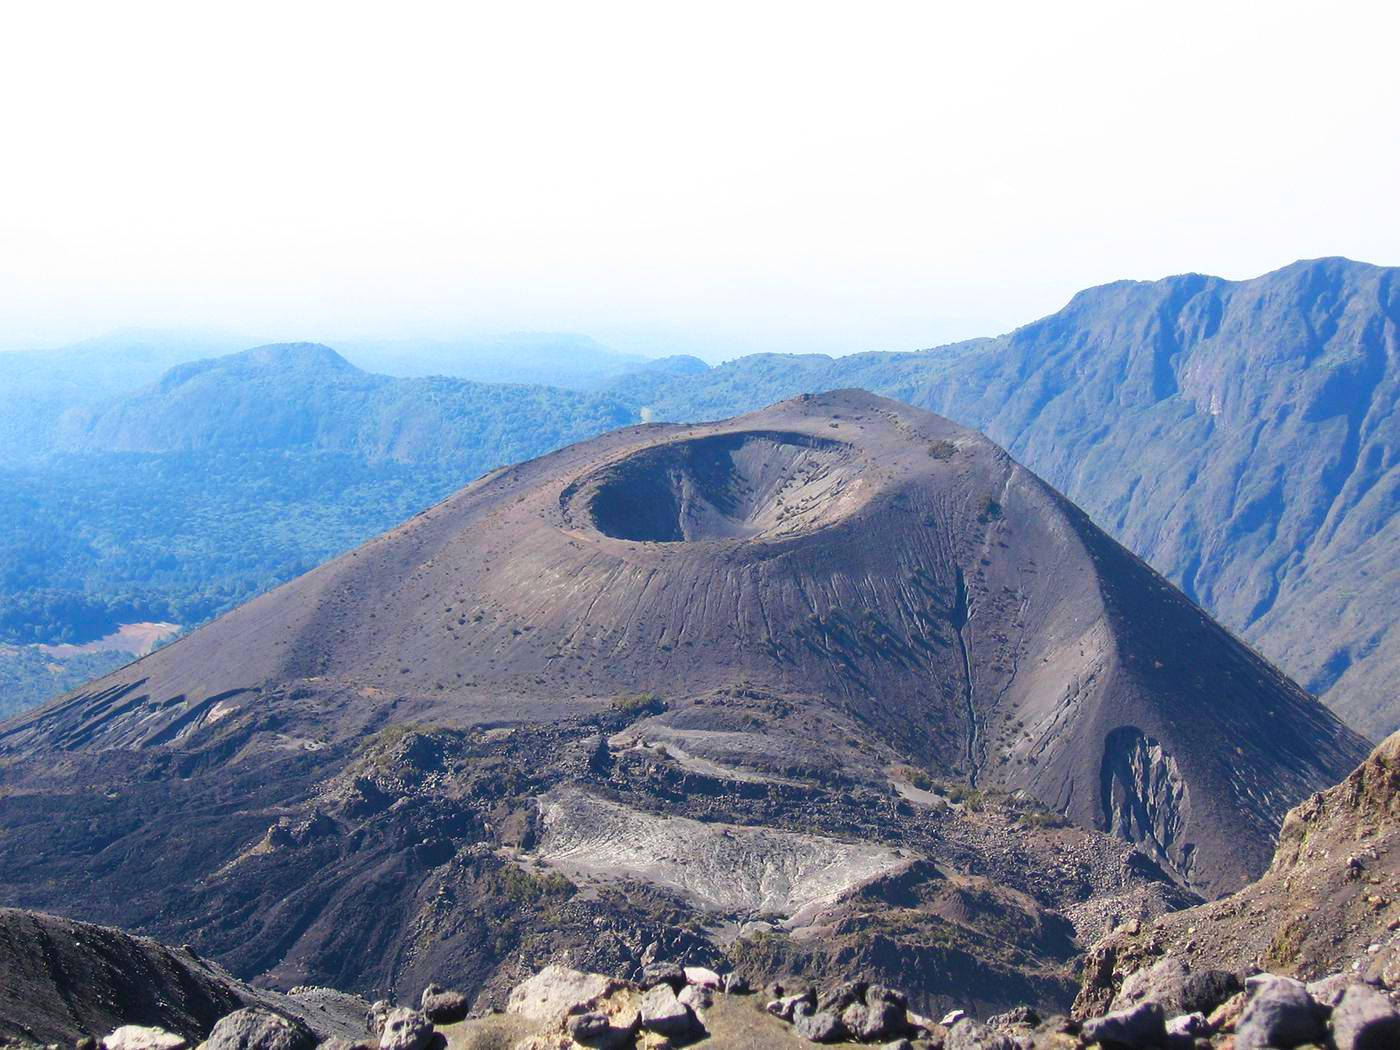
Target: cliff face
pixel 1331 896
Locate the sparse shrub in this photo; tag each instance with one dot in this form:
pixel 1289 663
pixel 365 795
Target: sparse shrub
pixel 942 449
pixel 637 703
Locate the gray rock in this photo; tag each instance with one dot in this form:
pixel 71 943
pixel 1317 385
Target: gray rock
pixel 662 1012
pixel 375 1016
pixel 1143 1025
pixel 819 1026
pixel 143 1037
pixel 967 1034
pixel 1188 1025
pixel 881 1016
pixel 254 1028
pixel 735 984
pixel 663 973
pixel 443 1006
pixel 557 991
pixel 1279 1013
pixel 1328 991
pixel 898 1044
pixel 1203 992
pixel 1162 982
pixel 837 997
pixel 697 997
pixel 702 976
pixel 1016 1017
pixel 1365 1019
pixel 406 1029
pixel 597 1029
pixel 786 1005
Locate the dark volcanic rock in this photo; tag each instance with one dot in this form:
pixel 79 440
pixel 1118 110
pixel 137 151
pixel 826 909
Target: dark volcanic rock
pixel 254 1028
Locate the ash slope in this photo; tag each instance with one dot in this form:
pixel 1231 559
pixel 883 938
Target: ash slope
pixel 899 569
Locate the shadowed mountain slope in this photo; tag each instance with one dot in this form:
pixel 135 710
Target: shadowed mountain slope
pixel 64 981
pixel 1241 436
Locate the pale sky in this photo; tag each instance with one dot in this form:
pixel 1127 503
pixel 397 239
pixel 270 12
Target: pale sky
pixel 708 178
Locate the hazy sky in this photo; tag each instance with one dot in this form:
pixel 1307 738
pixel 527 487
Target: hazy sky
pixel 707 177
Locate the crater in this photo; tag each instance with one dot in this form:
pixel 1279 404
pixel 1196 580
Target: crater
pixel 749 485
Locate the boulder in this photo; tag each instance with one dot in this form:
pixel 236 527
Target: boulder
pixel 1328 990
pixel 967 1034
pixel 557 991
pixel 1143 1025
pixel 406 1029
pixel 697 997
pixel 597 1029
pixel 663 973
pixel 376 1015
pixel 1016 1017
pixel 662 1012
pixel 443 1006
pixel 1203 992
pixel 735 984
pixel 1365 1019
pixel 818 1026
pixel 142 1037
pixel 254 1028
pixel 1188 1026
pixel 785 1006
pixel 881 1016
pixel 837 997
pixel 1279 1013
pixel 702 976
pixel 1162 982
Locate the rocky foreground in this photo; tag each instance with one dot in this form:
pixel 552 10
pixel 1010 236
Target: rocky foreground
pixel 1170 1008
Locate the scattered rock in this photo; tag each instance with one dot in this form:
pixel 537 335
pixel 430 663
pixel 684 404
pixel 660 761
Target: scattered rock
pixel 1143 1025
pixel 557 991
pixel 254 1028
pixel 443 1006
pixel 662 1012
pixel 1279 1013
pixel 406 1029
pixel 141 1037
pixel 1365 1019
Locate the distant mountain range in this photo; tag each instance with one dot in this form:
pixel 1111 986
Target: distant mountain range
pixel 1242 437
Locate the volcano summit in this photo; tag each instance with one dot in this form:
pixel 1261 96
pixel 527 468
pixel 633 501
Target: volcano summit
pixel 797 671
